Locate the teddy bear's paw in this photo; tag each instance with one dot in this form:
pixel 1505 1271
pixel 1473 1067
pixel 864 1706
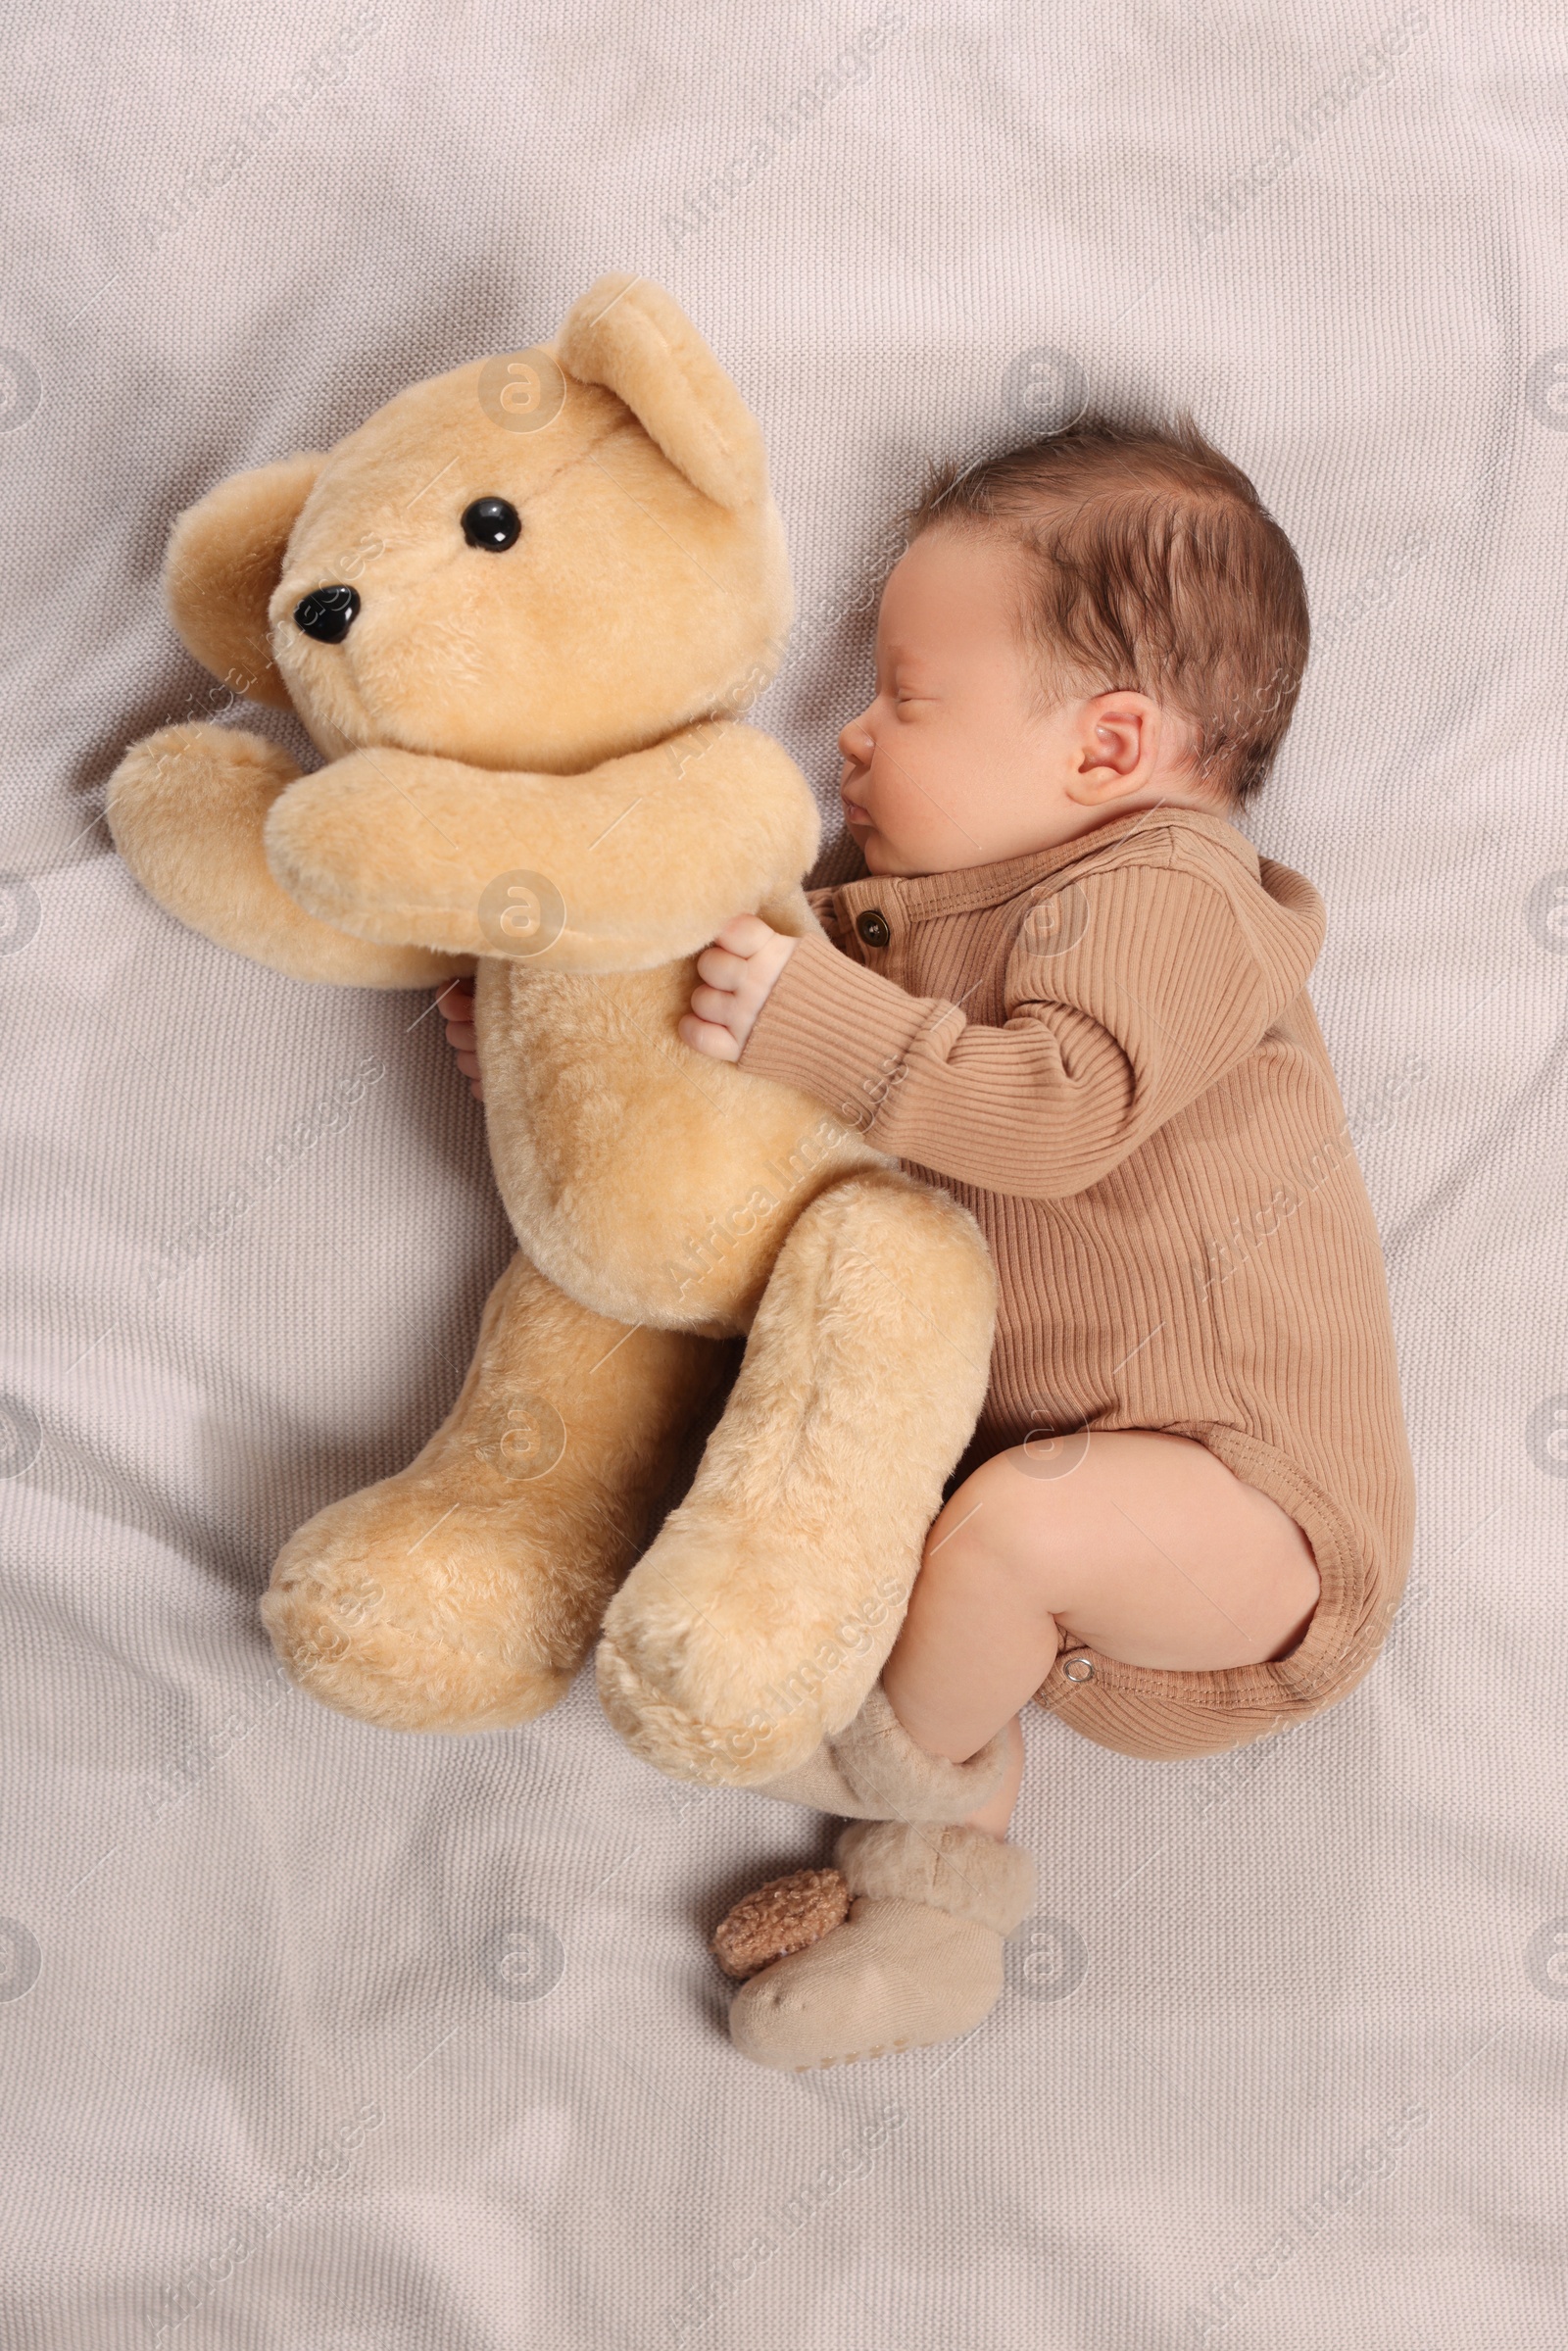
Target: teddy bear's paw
pixel 188 809
pixel 402 1608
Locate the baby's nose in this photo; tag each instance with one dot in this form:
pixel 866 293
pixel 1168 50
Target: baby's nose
pixel 856 743
pixel 328 614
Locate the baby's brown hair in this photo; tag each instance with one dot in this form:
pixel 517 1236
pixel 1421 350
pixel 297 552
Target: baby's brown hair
pixel 1152 564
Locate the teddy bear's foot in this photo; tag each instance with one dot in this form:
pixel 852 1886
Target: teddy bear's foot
pixel 918 1959
pixel 464 1594
pixel 757 1621
pixel 420 1609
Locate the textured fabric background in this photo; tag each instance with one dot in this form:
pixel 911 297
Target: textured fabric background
pixel 317 2035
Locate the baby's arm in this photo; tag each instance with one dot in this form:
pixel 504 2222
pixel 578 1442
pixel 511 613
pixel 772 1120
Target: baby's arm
pixel 1103 1040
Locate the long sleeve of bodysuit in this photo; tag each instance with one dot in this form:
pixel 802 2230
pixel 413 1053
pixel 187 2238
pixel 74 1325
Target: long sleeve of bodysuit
pixel 1163 991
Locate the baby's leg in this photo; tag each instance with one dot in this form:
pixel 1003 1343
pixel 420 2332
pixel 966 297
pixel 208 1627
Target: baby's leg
pixel 1148 1548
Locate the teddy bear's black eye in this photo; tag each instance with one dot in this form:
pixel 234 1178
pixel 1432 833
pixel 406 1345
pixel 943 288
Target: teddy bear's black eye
pixel 492 522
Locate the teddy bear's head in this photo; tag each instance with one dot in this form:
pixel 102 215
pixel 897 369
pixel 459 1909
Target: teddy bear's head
pixel 534 562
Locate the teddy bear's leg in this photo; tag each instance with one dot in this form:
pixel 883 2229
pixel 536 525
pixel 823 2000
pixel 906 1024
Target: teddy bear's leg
pixel 762 1614
pixel 464 1593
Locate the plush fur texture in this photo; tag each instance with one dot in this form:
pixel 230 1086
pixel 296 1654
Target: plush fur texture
pixel 567 709
pixel 224 556
pixel 469 1587
pixel 959 1870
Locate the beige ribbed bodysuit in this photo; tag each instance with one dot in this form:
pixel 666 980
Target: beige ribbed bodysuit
pixel 1107 1052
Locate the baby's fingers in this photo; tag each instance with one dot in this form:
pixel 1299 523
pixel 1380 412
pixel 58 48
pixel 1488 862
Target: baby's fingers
pixel 722 970
pixel 708 1037
pixel 744 933
pixel 714 1004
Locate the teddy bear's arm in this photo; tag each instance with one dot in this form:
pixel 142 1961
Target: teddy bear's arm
pixel 625 867
pixel 186 809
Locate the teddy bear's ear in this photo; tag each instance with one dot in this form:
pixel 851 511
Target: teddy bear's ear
pixel 628 334
pixel 226 556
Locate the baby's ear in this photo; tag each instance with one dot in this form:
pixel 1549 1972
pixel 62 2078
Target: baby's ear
pixel 628 334
pixel 226 556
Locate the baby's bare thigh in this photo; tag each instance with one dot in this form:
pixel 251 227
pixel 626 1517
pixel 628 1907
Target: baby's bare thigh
pixel 1149 1549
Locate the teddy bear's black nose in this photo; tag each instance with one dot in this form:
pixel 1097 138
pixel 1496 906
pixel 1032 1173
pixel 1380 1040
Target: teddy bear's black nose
pixel 328 614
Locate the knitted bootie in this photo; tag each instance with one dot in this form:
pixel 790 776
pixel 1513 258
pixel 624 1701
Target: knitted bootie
pixel 917 1960
pixel 873 1771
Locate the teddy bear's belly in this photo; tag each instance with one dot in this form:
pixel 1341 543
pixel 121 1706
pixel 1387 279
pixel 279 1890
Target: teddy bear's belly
pixel 652 1184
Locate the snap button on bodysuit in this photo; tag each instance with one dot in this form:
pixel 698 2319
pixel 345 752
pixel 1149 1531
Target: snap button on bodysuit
pixel 1077 1668
pixel 872 926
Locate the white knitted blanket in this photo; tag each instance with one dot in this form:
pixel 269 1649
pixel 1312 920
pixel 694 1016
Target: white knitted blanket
pixel 314 2035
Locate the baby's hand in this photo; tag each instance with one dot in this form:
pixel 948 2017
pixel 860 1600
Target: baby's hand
pixel 456 1000
pixel 740 970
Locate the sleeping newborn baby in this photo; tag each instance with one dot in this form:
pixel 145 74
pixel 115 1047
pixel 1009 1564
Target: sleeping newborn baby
pixel 1070 992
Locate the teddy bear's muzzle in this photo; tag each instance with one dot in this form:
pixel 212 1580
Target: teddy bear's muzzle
pixel 328 614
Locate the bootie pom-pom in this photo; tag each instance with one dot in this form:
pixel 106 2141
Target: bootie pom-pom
pixel 787 1914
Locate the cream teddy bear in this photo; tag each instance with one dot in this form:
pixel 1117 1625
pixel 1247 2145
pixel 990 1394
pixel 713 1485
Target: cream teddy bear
pixel 517 610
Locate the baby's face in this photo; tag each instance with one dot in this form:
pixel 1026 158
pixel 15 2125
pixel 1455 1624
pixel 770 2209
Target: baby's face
pixel 953 764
